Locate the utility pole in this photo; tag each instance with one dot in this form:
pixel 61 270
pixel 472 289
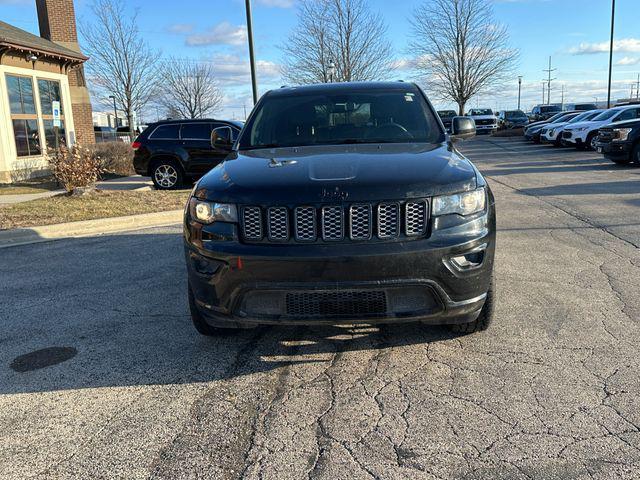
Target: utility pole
pixel 638 88
pixel 549 80
pixel 562 101
pixel 543 85
pixel 252 61
pixel 519 89
pixel 613 16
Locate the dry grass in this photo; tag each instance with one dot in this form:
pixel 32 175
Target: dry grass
pixel 36 185
pixel 99 204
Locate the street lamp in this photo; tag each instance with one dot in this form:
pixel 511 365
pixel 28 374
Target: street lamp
pixel 252 61
pixel 331 70
pixel 519 89
pixel 115 110
pixel 613 16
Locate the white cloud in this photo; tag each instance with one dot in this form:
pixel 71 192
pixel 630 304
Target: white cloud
pixel 234 71
pixel 624 45
pixel 276 3
pixel 628 61
pixel 223 33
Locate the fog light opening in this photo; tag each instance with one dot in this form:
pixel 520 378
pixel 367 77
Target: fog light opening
pixel 469 260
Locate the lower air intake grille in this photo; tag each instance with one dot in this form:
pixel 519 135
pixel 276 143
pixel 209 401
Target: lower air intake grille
pixel 337 303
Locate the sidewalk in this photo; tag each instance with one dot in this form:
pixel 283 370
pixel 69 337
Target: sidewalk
pixel 25 236
pixel 134 182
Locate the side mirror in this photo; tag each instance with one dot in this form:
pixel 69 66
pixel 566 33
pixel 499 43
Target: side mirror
pixel 462 128
pixel 221 138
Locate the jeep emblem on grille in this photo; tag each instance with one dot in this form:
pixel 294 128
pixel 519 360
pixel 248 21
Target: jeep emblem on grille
pixel 333 194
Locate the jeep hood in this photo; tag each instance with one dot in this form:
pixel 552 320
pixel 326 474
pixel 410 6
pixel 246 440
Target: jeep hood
pixel 325 174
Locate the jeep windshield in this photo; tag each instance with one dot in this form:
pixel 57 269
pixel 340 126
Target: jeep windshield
pixel 341 117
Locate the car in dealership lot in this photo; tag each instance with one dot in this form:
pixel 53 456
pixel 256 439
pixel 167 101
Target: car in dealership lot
pixel 542 122
pixel 580 107
pixel 174 151
pixel 620 142
pixel 544 112
pixel 512 119
pixel 584 134
pixel 342 203
pixel 486 121
pixel 447 118
pixel 552 133
pixel 533 133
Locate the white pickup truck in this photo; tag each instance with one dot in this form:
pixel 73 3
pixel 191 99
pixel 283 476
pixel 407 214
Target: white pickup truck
pixel 485 119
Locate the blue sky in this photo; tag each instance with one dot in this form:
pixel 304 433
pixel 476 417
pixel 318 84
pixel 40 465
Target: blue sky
pixel 574 32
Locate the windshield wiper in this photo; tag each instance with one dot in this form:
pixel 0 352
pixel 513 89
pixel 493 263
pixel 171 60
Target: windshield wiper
pixel 348 141
pixel 263 145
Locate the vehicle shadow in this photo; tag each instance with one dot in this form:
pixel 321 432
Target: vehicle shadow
pixel 593 188
pixel 112 311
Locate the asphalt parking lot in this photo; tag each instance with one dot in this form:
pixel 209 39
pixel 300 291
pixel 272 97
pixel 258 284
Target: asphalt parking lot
pixel 128 389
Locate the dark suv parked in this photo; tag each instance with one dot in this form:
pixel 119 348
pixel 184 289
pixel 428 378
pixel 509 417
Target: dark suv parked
pixel 620 142
pixel 173 151
pixel 447 118
pixel 342 202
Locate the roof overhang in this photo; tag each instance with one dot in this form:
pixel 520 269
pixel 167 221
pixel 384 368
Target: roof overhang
pixel 7 46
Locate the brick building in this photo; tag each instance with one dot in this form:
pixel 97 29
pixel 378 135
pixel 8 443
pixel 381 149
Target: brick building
pixel 35 73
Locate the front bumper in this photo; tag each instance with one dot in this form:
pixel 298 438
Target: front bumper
pixel 242 285
pixel 615 149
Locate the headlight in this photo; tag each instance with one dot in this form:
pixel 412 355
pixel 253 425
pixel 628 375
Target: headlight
pixel 209 212
pixel 581 129
pixel 552 131
pixel 622 134
pixel 465 203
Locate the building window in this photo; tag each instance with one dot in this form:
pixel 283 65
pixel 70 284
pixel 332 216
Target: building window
pixel 23 115
pixel 49 92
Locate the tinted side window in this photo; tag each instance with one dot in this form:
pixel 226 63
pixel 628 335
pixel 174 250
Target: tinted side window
pixel 630 114
pixel 166 132
pixel 196 131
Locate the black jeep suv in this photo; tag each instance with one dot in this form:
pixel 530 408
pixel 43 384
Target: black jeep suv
pixel 620 142
pixel 174 151
pixel 342 202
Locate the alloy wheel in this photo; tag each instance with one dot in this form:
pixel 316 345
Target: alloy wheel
pixel 166 176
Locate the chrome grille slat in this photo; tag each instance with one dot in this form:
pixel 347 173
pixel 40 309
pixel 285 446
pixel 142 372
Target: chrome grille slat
pixel 388 220
pixel 278 223
pixel 305 224
pixel 415 218
pixel 332 223
pixel 252 223
pixel 360 222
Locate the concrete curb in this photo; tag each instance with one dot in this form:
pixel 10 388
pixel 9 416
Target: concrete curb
pixel 101 226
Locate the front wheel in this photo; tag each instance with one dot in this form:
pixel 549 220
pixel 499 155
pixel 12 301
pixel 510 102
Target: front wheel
pixel 166 175
pixel 592 139
pixel 484 319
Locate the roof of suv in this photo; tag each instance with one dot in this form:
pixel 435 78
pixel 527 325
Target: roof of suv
pixel 342 87
pixel 198 120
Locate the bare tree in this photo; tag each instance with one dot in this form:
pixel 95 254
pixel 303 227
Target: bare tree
pixel 343 32
pixel 189 89
pixel 460 48
pixel 120 61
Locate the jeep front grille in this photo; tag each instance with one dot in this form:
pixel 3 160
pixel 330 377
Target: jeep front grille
pixel 335 223
pixel 336 303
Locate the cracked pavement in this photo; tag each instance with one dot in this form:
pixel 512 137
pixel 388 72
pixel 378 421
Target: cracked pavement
pixel 550 391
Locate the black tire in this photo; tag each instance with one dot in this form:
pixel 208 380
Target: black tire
pixel 484 319
pixel 635 155
pixel 200 323
pixel 591 138
pixel 166 174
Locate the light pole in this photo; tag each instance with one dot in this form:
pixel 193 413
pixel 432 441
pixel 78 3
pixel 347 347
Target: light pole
pixel 613 16
pixel 252 61
pixel 331 70
pixel 519 89
pixel 115 110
